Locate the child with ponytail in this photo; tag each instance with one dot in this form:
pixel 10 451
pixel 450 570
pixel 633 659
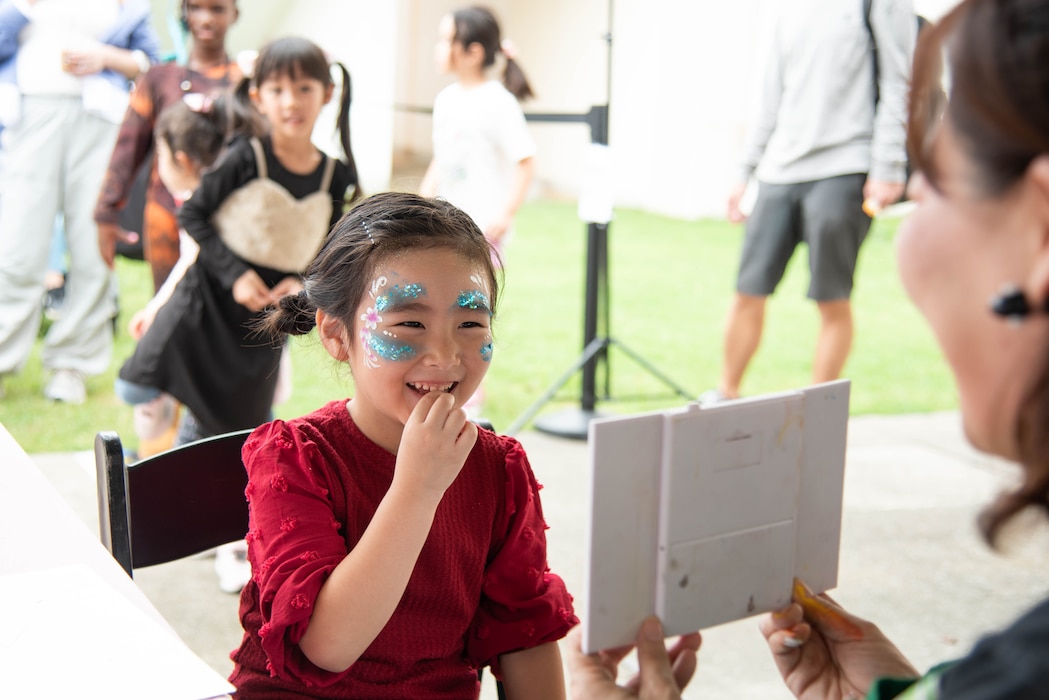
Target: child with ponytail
pixel 483 154
pixel 259 217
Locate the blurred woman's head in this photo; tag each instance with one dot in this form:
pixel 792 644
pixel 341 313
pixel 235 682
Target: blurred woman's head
pixel 981 227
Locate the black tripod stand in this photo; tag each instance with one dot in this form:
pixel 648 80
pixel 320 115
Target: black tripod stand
pixel 596 338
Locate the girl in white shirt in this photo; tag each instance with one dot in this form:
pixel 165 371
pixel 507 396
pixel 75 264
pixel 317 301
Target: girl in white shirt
pixel 483 154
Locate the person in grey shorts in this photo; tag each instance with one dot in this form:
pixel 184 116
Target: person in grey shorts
pixel 823 147
pixel 827 215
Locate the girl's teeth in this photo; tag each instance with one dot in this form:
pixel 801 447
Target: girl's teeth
pixel 432 387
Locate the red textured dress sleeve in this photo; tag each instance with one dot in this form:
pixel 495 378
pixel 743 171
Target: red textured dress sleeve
pixel 522 604
pixel 293 542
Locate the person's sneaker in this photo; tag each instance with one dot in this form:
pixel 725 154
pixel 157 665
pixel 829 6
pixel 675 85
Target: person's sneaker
pixel 711 397
pixel 232 566
pixel 67 386
pixel 53 301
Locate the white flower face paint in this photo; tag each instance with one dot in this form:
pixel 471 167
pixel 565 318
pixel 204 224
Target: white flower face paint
pixel 385 345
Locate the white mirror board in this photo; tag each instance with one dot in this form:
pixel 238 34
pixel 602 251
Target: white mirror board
pixel 705 515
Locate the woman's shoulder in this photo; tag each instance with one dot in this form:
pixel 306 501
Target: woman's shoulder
pixel 1011 663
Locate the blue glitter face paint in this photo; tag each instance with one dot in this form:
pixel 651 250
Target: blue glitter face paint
pixel 474 299
pixel 390 349
pixel 486 351
pixel 377 346
pixel 397 295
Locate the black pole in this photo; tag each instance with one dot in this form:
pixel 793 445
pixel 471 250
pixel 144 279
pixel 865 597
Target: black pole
pixel 596 298
pixel 595 348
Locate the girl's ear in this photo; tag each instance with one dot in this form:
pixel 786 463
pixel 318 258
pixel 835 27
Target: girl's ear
pixel 184 162
pixel 1038 172
pixel 328 92
pixel 253 95
pixel 1038 280
pixel 333 335
pixel 475 52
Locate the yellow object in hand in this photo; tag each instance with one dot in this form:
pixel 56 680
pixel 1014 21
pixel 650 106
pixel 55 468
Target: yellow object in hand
pixel 823 614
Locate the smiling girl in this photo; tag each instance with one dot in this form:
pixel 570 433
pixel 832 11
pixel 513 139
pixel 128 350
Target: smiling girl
pixel 395 547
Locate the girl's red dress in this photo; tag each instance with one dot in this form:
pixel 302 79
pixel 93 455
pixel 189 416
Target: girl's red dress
pixel 480 588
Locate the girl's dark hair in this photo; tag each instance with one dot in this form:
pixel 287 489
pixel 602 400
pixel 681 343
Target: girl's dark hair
pixel 368 234
pixel 294 56
pixel 997 54
pixel 477 25
pixel 202 133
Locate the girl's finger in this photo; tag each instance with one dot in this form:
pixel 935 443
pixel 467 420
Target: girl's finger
pixel 441 405
pixel 467 431
pixel 422 410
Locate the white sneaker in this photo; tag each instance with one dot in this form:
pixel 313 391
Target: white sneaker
pixel 232 566
pixel 67 386
pixel 711 397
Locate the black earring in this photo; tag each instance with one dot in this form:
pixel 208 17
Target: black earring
pixel 1010 303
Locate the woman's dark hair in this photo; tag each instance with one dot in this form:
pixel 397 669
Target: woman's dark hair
pixel 477 25
pixel 997 54
pixel 295 57
pixel 369 233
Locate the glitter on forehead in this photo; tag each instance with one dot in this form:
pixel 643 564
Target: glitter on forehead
pixel 390 349
pixel 399 294
pixel 474 299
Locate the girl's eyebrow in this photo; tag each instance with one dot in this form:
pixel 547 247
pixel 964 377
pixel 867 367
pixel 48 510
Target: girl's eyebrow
pixel 473 300
pixel 405 304
pixel 399 295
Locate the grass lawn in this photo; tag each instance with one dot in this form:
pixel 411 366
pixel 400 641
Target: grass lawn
pixel 670 283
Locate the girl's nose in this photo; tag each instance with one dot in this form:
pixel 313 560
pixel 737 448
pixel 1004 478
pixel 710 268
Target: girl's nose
pixel 443 352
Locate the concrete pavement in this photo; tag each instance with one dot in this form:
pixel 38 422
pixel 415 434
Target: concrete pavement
pixel 911 558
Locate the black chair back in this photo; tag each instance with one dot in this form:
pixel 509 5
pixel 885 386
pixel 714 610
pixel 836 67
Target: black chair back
pixel 171 505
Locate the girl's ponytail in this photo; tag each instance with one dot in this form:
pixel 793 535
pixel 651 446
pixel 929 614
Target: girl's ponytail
pixel 343 127
pixel 514 79
pixel 477 25
pixel 295 314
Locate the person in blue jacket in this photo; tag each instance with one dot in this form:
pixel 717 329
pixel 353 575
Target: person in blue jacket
pixel 66 68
